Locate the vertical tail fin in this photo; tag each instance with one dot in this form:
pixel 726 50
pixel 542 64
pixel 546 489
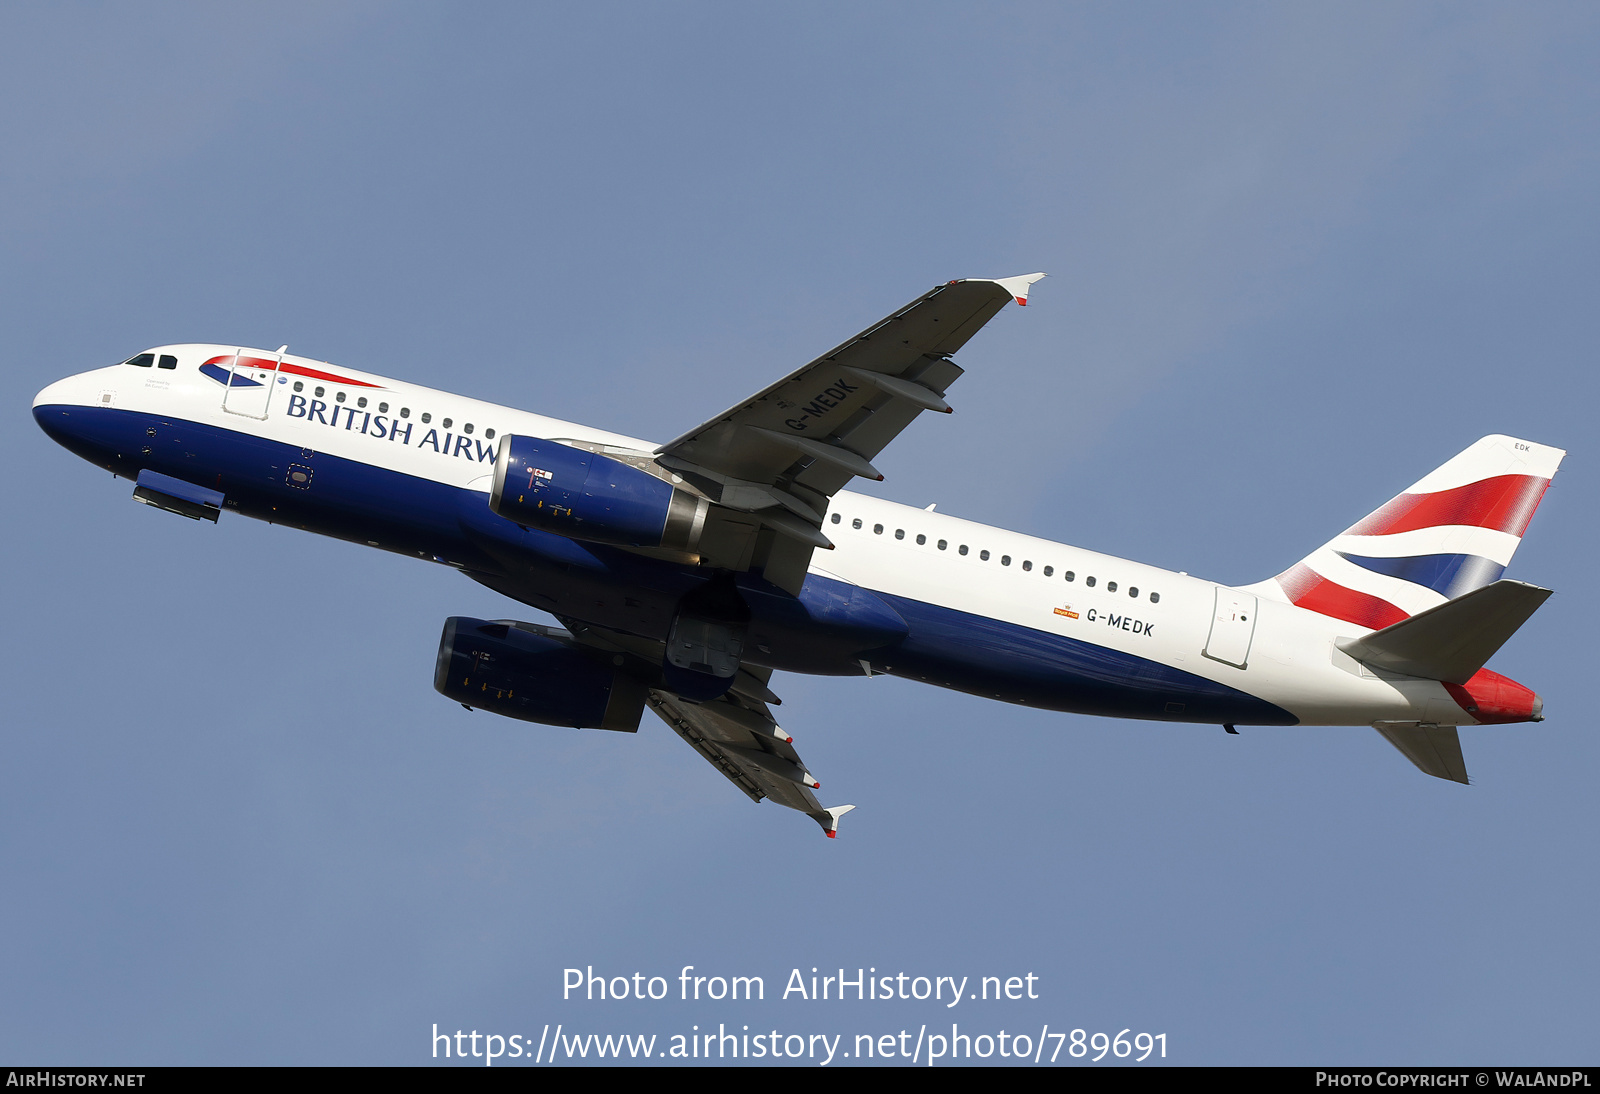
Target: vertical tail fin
pixel 1452 532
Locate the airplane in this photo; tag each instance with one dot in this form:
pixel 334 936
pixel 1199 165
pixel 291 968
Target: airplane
pixel 684 574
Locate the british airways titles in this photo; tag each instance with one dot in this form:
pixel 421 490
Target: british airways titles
pixel 382 426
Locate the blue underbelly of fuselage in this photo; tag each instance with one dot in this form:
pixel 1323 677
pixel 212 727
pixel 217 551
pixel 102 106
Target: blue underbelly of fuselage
pixel 831 628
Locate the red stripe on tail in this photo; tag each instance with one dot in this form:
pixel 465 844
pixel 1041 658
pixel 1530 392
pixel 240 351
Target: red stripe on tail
pixel 1310 590
pixel 1504 503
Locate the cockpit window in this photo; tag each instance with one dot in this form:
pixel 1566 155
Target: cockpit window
pixel 144 360
pixel 167 361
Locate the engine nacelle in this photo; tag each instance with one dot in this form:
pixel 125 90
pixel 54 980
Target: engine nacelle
pixel 534 674
pixel 586 496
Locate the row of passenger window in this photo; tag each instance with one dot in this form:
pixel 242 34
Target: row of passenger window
pixel 1005 560
pixel 145 360
pixel 383 408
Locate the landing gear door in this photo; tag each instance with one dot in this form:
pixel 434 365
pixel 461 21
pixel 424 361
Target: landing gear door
pixel 250 381
pixel 1233 625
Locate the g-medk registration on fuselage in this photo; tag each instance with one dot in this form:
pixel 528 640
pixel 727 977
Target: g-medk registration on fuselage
pixel 684 574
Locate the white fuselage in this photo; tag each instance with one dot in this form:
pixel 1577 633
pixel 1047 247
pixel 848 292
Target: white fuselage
pixel 1288 655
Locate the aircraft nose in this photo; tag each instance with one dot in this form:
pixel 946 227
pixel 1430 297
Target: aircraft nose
pixel 54 395
pixel 52 417
pixel 1538 709
pixel 59 408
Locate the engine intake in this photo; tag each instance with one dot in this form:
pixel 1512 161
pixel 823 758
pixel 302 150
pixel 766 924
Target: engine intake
pixel 535 674
pixel 587 496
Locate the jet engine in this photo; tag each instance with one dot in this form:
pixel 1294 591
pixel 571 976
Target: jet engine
pixel 588 496
pixel 535 674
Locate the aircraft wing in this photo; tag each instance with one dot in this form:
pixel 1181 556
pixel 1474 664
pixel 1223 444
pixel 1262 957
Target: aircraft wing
pixel 822 424
pixel 737 733
pixel 782 453
pixel 741 739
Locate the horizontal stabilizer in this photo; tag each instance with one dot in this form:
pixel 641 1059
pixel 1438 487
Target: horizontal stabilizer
pixel 1436 750
pixel 1450 642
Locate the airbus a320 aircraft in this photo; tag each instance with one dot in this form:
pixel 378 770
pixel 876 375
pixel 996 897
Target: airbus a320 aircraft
pixel 684 574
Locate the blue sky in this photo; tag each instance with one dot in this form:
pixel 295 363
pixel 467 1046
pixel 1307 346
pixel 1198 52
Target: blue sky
pixel 1299 255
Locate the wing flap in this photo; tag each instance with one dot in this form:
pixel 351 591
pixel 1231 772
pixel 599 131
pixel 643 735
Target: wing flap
pixel 670 711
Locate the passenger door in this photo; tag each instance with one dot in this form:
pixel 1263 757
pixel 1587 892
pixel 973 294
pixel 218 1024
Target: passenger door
pixel 249 381
pixel 1233 625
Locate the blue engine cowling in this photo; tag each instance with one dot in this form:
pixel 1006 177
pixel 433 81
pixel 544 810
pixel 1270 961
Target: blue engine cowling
pixel 529 673
pixel 586 496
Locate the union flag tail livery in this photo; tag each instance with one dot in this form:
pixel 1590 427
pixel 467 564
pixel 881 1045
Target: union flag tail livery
pixel 1423 573
pixel 684 574
pixel 1452 532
